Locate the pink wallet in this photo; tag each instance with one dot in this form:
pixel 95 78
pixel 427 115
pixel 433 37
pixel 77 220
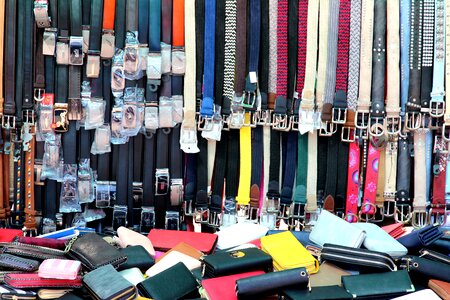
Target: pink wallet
pixel 127 237
pixel 59 269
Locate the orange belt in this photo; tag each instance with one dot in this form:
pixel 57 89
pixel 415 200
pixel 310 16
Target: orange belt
pixel 178 23
pixel 109 11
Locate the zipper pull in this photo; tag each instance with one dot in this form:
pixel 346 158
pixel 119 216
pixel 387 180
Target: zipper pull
pixel 69 245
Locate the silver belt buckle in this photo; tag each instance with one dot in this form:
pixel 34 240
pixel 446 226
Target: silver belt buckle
pixel 172 220
pixel 49 41
pixel 402 214
pixel 201 215
pixel 437 104
pixel 393 125
pixel 348 134
pixel 295 122
pixel 376 126
pixel 178 61
pixel 280 122
pixel 436 216
pixel 62 52
pixel 445 132
pixel 339 115
pixel 131 58
pixel 41 13
pixel 236 119
pixel 214 218
pixel 243 211
pixel 176 191
pixel 362 119
pixel 93 64
pixel 413 120
pixel 188 139
pixel 76 50
pixel 108 44
pixel 119 216
pixel 154 66
pixel 188 208
pixel 284 212
pixel 147 219
pixel 38 94
pixel 327 128
pixel 249 99
pixel 205 123
pixel 162 182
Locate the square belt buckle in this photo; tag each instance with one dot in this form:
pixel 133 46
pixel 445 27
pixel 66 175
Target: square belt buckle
pixel 119 216
pixel 62 52
pixel 154 67
pixel 74 107
pixel 176 192
pixel 102 194
pixel 188 208
pixel 162 182
pixel 8 122
pixel 76 50
pixel 60 120
pixel 147 219
pixel 281 122
pixel 172 220
pixel 93 64
pixel 108 42
pixel 41 13
pixel 339 115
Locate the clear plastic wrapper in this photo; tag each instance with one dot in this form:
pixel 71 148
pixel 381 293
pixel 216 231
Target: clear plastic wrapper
pixel 177 112
pixel 166 113
pixel 69 200
pixel 131 59
pixel 95 113
pixel 52 160
pixel 91 215
pixel 102 140
pixel 117 138
pixel 117 74
pixel 85 181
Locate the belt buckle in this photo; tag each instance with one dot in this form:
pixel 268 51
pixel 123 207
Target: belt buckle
pixel 272 204
pixel 339 115
pixel 253 214
pixel 38 172
pixel 93 64
pixel 284 212
pixel 28 116
pixel 108 43
pixel 188 208
pixel 376 126
pixel 147 219
pixel 226 122
pixel 393 125
pixel 62 51
pixel 243 211
pixel 49 41
pixel 119 216
pixel 362 133
pixel 60 120
pixel 76 50
pixel 29 232
pixel 366 217
pixel 402 214
pixel 162 182
pixel 437 217
pixel 154 69
pixel 437 106
pixel 151 117
pixel 236 119
pixel 102 194
pixel 295 122
pixel 413 120
pixel 280 122
pixel 362 119
pixel 48 226
pixel 8 122
pixel 201 215
pixel 389 205
pixel 205 123
pixel 214 218
pixel 297 215
pixel 265 118
pixel 348 134
pixel 268 219
pixel 188 139
pixel 39 94
pixel 176 191
pixel 178 61
pixel 41 13
pixel 172 220
pixel 445 132
pixel 327 128
pixel 249 99
pixel 420 218
pixel 74 109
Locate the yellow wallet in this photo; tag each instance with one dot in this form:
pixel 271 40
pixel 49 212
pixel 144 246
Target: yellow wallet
pixel 288 253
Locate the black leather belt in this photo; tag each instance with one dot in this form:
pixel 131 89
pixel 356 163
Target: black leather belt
pixel 95 33
pixel 403 201
pixel 119 24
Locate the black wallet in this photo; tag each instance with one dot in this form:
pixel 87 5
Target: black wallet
pixel 233 262
pixel 105 283
pixel 422 269
pixel 177 282
pixel 270 283
pixel 317 293
pixel 93 252
pixel 420 238
pixel 137 257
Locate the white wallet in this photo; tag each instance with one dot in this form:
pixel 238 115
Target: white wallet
pixel 420 295
pixel 240 233
pixel 334 230
pixel 172 259
pixel 379 240
pixel 133 275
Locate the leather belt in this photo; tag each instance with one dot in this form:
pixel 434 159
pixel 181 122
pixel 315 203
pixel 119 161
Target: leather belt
pixel 232 181
pixel 405 35
pixel 420 215
pixel 119 24
pixel 370 184
pixel 427 55
pixel 322 64
pixel 351 206
pixel 245 169
pixel 447 70
pixel 93 59
pixel 438 208
pixel 290 167
pixel 108 42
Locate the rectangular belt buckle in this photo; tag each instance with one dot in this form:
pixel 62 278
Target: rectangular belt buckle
pixel 214 218
pixel 327 128
pixel 236 119
pixel 176 191
pixel 297 215
pixel 41 13
pixel 172 220
pixel 253 214
pixel 243 211
pixel 49 41
pixel 348 134
pixel 48 226
pixel 162 182
pixel 62 51
pixel 295 122
pixel 284 212
pixel 108 44
pixel 413 120
pixel 147 219
pixel 93 64
pixel 265 118
pixel 102 194
pixel 38 173
pixel 119 216
pixel 188 139
pixel 201 215
pixel 188 208
pixel 178 61
pixel 280 122
pixel 268 219
pixel 151 117
pixel 74 109
pixel 403 213
pixel 339 115
pixel 272 204
pixel 76 50
pixel 362 119
pixel 28 116
pixel 393 124
pixel 154 66
pixel 437 104
pixel 60 121
pixel 249 99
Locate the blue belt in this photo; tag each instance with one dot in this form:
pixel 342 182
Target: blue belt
pixel 405 35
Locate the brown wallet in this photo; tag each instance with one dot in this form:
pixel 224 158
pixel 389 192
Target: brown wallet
pixel 441 288
pixel 185 249
pixel 328 274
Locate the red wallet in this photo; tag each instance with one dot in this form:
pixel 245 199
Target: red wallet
pixel 224 288
pixel 32 280
pixel 164 240
pixel 395 230
pixel 43 242
pixel 8 235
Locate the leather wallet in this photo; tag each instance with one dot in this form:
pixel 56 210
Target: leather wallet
pixel 133 275
pixel 43 242
pixel 420 238
pixel 318 293
pixel 105 283
pixel 395 230
pixel 423 294
pixel 164 240
pixel 378 285
pixel 18 263
pixel 239 233
pixel 436 256
pixel 30 251
pixel 227 263
pixel 59 269
pixel 362 259
pixel 8 235
pixel 127 237
pixel 328 275
pixel 185 249
pixel 176 282
pixel 441 288
pixel 270 283
pixel 7 292
pixel 224 288
pixel 301 236
pixel 378 240
pixel 334 230
pixel 424 269
pixel 93 252
pixel 52 293
pixel 137 257
pixel 32 280
pixel 172 259
pixel 288 253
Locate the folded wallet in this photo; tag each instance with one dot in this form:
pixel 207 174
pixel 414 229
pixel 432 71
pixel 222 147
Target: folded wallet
pixel 93 252
pixel 127 237
pixel 172 259
pixel 18 263
pixel 441 288
pixel 30 251
pixel 59 269
pixel 43 242
pixel 239 233
pixel 233 262
pixel 288 253
pixel 133 275
pixel 378 285
pixel 164 240
pixel 137 257
pixel 270 283
pixel 105 283
pixel 395 230
pixel 7 292
pixel 334 230
pixel 421 238
pixel 185 249
pixel 301 236
pixel 176 282
pixel 32 280
pixel 224 288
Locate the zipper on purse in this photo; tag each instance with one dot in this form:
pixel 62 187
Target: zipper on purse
pixel 364 260
pixel 384 257
pixel 440 258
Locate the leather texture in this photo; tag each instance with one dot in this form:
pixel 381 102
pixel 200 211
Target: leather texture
pixel 43 242
pixel 233 262
pixel 390 284
pixel 378 240
pixel 176 282
pixel 94 252
pixel 270 283
pixel 223 288
pixel 329 274
pixel 18 263
pixel 420 238
pixel 334 230
pixel 441 288
pixel 288 253
pixel 163 240
pixel 395 230
pixel 425 269
pixel 318 293
pixel 32 280
pixel 137 257
pixel 185 249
